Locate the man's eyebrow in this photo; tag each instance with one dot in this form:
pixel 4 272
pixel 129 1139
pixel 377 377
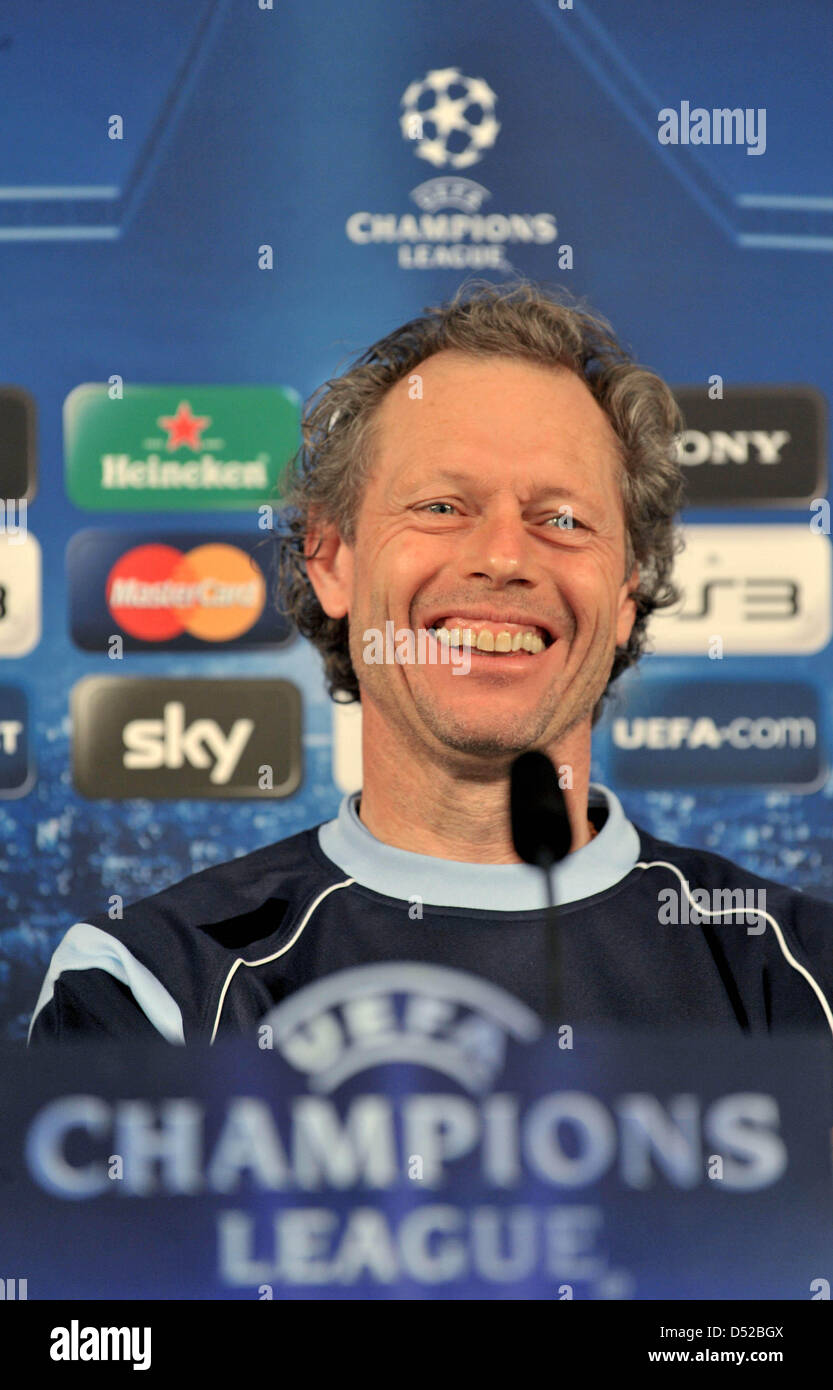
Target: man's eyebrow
pixel 534 494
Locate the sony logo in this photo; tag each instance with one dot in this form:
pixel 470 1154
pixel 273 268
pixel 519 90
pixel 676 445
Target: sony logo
pixel 731 446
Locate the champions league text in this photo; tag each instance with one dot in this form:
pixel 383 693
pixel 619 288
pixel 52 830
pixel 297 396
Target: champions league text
pixel 82 1146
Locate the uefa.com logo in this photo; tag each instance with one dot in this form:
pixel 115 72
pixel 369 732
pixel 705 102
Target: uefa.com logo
pixel 671 733
pixel 449 121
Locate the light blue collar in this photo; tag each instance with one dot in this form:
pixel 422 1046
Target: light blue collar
pixel 397 873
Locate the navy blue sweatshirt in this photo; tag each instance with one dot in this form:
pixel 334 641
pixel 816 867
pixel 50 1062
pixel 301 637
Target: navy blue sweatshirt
pixel 652 935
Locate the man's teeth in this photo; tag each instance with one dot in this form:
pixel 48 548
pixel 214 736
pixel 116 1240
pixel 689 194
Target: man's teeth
pixel 490 641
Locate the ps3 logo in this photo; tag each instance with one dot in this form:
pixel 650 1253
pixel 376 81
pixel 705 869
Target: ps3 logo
pixel 780 604
pixel 756 599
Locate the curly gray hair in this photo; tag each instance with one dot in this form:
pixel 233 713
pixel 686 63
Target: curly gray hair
pixel 516 319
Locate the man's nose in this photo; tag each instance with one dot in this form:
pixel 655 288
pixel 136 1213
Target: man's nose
pixel 500 549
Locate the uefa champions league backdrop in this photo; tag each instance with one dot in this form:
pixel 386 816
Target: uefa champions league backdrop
pixel 207 207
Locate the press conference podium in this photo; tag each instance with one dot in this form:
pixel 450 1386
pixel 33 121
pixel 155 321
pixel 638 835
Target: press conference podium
pixel 346 1156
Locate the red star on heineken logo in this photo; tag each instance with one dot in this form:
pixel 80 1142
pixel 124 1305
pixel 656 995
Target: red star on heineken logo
pixel 184 428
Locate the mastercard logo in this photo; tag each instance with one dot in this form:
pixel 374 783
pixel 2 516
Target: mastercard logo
pixel 214 592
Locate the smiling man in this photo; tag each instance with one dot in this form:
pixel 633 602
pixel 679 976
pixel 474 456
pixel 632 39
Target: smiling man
pixel 497 480
pixel 494 513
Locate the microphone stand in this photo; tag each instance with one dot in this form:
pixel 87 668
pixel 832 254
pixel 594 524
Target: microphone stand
pixel 542 836
pixel 553 959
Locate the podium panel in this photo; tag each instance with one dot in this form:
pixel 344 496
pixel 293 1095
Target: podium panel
pixel 421 1154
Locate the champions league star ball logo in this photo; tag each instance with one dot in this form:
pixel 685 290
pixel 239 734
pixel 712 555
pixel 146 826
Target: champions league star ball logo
pixel 423 1015
pixel 450 118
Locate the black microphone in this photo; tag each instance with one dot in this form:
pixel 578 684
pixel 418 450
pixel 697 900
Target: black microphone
pixel 542 835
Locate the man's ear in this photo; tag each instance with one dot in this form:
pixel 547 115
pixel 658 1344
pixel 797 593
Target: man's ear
pixel 329 562
pixel 627 608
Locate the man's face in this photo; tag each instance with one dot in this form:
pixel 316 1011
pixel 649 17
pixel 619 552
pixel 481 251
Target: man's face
pixel 462 524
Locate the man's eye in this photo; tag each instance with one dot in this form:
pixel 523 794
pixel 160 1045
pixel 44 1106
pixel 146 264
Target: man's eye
pixel 428 505
pixel 565 521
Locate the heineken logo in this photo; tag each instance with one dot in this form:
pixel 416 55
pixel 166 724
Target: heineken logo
pixel 162 448
pixel 120 473
pixel 184 428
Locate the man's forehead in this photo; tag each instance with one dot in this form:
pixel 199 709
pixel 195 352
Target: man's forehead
pixel 456 389
pixel 463 410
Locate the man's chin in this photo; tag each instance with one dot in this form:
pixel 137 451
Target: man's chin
pixel 486 737
pixel 487 750
pixel 490 734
